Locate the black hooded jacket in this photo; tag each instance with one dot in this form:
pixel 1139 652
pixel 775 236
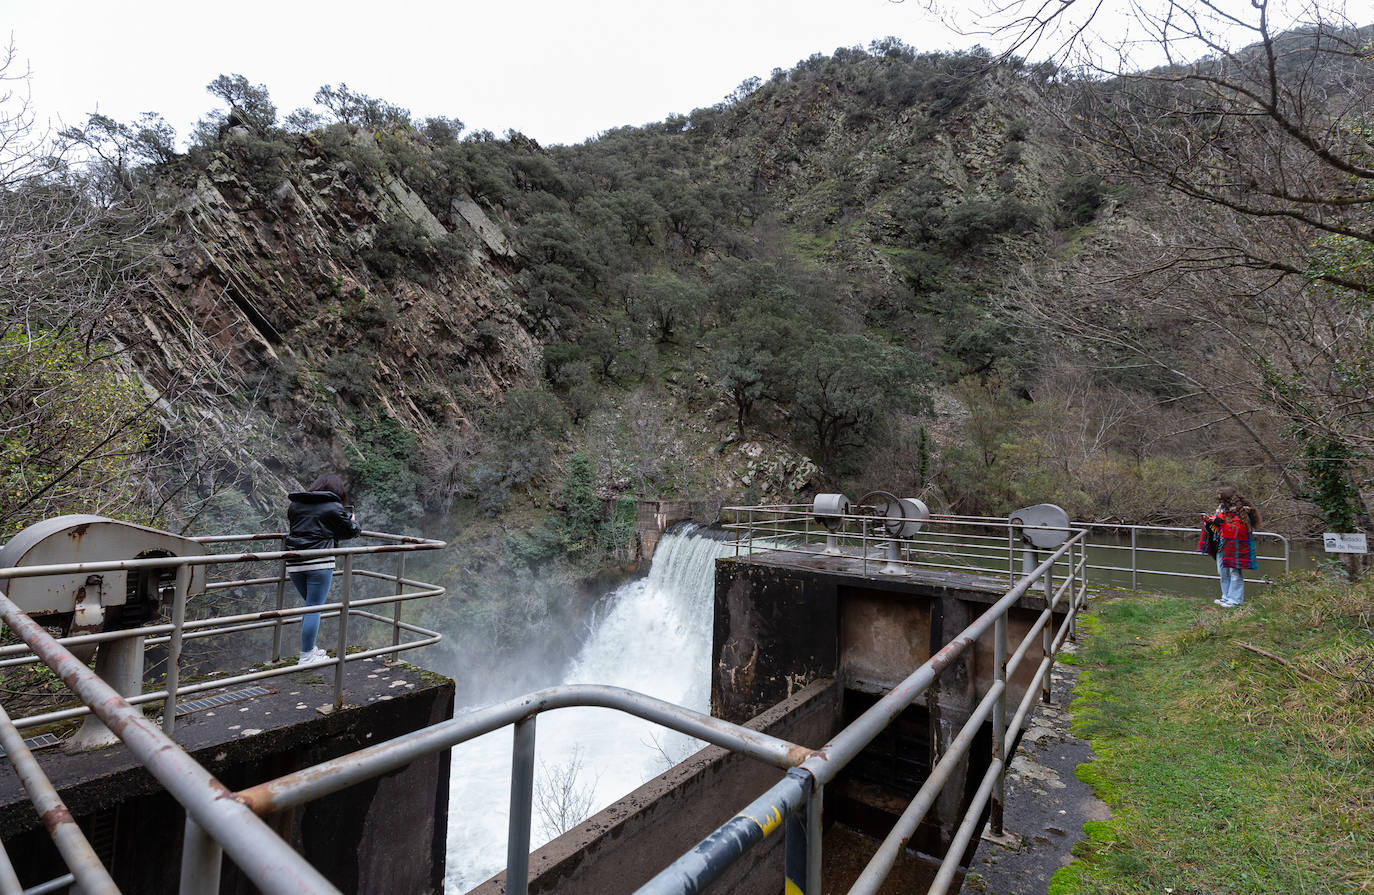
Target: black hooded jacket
pixel 316 520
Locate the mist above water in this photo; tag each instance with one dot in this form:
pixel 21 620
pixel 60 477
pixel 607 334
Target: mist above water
pixel 652 635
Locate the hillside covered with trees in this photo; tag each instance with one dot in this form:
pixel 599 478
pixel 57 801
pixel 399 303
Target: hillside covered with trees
pixel 959 276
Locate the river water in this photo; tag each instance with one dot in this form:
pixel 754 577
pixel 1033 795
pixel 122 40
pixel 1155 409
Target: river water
pixel 652 635
pixel 1168 561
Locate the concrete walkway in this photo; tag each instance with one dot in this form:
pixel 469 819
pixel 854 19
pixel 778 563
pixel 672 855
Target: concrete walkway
pixel 1046 804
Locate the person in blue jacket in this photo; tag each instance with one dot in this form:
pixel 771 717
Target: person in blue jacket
pixel 317 519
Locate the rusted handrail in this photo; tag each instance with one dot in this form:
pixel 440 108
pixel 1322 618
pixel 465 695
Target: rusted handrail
pixel 696 869
pixel 270 862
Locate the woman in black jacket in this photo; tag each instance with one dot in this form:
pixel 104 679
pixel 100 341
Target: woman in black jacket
pixel 316 520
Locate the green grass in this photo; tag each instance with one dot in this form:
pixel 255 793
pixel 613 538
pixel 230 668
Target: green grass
pixel 1226 771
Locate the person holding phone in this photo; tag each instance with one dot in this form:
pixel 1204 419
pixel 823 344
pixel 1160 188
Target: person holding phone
pixel 316 520
pixel 1229 535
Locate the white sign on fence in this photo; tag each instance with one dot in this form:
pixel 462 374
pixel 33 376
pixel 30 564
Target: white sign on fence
pixel 1339 542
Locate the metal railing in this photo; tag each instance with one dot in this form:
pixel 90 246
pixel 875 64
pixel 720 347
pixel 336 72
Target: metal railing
pixel 179 631
pixel 1135 554
pixel 794 803
pixel 214 823
pixel 980 544
pixel 220 821
pixel 807 770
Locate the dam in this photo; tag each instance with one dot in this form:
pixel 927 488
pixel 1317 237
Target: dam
pixel 858 682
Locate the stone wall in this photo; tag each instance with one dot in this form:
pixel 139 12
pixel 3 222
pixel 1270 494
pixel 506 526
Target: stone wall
pixel 657 516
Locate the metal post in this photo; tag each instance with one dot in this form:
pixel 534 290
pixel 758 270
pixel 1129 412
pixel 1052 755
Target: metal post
pixel 343 630
pixel 281 604
pixel 201 857
pixel 814 806
pixel 521 799
pixel 120 664
pixel 1011 553
pixel 1047 635
pixel 1134 564
pixel 9 880
pixel 1073 587
pixel 999 723
pixel 396 613
pixel 794 850
pixel 169 708
pixel 1049 584
pixel 1082 583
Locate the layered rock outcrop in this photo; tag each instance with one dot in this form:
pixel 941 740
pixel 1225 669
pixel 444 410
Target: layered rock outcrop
pixel 269 321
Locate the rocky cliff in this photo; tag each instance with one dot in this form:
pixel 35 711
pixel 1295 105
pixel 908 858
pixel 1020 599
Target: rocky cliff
pixel 268 322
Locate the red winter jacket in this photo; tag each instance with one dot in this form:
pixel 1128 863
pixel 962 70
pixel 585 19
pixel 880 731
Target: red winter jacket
pixel 1235 540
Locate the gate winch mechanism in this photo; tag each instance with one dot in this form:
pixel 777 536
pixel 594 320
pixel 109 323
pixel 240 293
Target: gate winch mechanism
pixel 1043 526
pixel 830 510
pixel 901 517
pixel 110 600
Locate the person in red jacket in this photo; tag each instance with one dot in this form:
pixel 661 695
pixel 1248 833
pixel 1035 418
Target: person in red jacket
pixel 1229 535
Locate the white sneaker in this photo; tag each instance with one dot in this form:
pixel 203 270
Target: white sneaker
pixel 315 656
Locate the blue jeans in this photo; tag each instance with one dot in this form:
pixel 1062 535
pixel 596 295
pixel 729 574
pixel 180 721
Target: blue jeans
pixel 1232 584
pixel 314 586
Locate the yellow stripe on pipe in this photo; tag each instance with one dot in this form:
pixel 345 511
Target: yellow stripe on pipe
pixel 769 823
pixel 792 889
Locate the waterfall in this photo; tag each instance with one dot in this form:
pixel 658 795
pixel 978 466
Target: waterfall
pixel 652 635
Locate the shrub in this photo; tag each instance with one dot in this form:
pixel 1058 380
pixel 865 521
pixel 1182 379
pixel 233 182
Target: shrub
pixel 617 534
pixel 71 429
pixel 558 355
pixel 262 160
pixel 359 155
pixel 973 222
pixel 349 373
pixel 399 248
pixel 386 472
pixel 1078 198
pixel 581 508
pixel 520 433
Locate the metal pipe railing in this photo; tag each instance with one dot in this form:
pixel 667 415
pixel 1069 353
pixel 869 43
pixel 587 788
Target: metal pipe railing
pixel 71 843
pixel 9 880
pixel 222 623
pixel 326 610
pixel 272 865
pixel 807 771
pixel 211 827
pixel 331 776
pixel 701 866
pixel 789 527
pixel 60 884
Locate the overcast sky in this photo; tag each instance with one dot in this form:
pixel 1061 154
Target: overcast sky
pixel 558 71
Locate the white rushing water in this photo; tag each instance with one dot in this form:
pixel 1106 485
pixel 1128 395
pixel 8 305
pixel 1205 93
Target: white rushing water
pixel 652 635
